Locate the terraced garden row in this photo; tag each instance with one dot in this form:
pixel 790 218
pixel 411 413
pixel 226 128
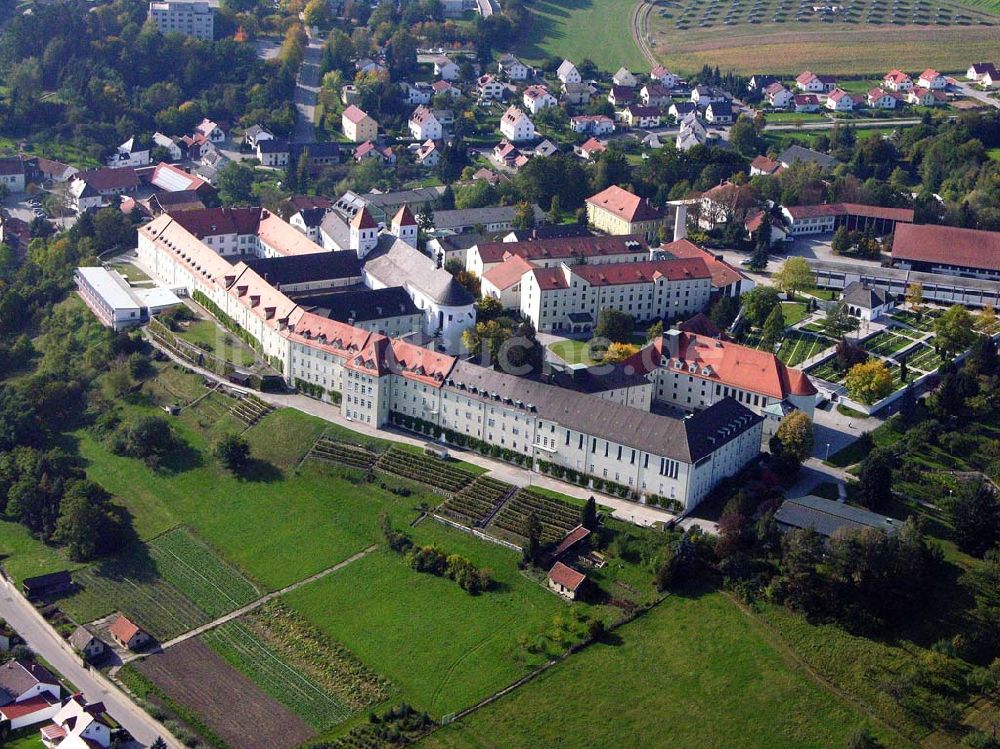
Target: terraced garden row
pixel 354 456
pixel 425 469
pixel 473 504
pixel 557 518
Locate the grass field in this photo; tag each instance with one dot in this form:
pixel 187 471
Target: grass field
pixel 793 312
pixel 836 48
pixel 443 648
pixel 695 672
pixel 598 29
pixel 224 345
pixel 796 345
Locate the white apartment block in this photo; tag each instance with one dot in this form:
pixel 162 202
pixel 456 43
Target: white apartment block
pixel 190 17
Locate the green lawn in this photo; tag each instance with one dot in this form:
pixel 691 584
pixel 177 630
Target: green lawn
pixel 24 738
pixel 994 153
pixel 576 352
pixel 695 672
pixel 598 29
pixel 23 556
pixel 442 648
pixel 222 343
pixel 793 312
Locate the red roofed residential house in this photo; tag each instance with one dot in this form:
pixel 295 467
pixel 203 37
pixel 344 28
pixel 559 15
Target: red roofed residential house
pixel 806 103
pixel 897 80
pixel 877 98
pixel 815 84
pixel 617 211
pixel 358 126
pixel 778 96
pixel 924 97
pixel 80 725
pixel 590 149
pixel 128 634
pixel 840 101
pixel 566 581
pixel 516 126
pixel 537 97
pixel 932 79
pixel 764 165
pixel 29 693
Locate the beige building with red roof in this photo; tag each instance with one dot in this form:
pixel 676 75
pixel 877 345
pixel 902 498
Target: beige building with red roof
pixel 566 581
pixel 357 125
pixel 947 249
pixel 617 211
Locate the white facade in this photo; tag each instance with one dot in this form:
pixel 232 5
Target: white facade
pixel 424 125
pixel 516 126
pixel 568 73
pixel 190 17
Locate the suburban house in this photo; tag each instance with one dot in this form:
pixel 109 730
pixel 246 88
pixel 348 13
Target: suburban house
pixel 566 581
pixel 865 302
pixel 133 152
pixel 623 77
pixel 664 76
pixel 273 152
pixel 702 96
pixel 89 189
pixel 764 165
pixel 79 724
pixel 619 96
pixel 567 73
pixel 446 69
pixel 638 116
pixel 924 97
pixel 488 87
pixel 680 109
pixel 55 170
pixel 12 174
pixel 897 80
pixel 358 127
pixel 29 693
pixel 691 133
pixel 755 220
pixel 254 134
pixel 722 203
pixel 719 113
pixel 537 97
pixel 978 71
pixel 578 93
pixel 424 125
pixel 827 516
pixel 796 154
pixel 972 253
pixel 545 148
pixel 369 150
pixel 761 81
pixel 445 87
pixel 516 126
pixel 428 154
pixel 654 95
pixel 617 211
pixel 815 84
pixel 932 79
pixel 806 103
pixel 128 634
pixel 595 124
pixel 415 93
pixel 840 101
pixel 828 217
pixel 368 66
pixel 514 69
pixel 88 645
pixel 506 154
pixel 590 149
pixel 880 99
pixel 210 131
pixel 778 96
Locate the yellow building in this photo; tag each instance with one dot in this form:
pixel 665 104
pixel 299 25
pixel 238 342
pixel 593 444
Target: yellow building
pixel 358 126
pixel 617 211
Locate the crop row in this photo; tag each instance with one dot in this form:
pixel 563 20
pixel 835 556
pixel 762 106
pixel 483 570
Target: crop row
pixel 425 469
pixel 925 359
pixel 351 455
pixel 214 586
pixel 556 518
pixel 476 500
pixel 289 686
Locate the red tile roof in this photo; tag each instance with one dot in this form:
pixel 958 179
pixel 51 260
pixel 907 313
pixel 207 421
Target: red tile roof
pixel 896 76
pixel 508 273
pixel 303 202
pixel 565 576
pixel 723 274
pixel 766 165
pixel 904 215
pixel 31 705
pixel 363 220
pixel 625 205
pixel 615 274
pixel 550 278
pixel 930 74
pixel 420 364
pixel 701 325
pixel 563 248
pixel 354 114
pixel 947 245
pixel 573 537
pixel 122 629
pixel 214 221
pixel 593 145
pixel 110 179
pixel 371 359
pixel 404 217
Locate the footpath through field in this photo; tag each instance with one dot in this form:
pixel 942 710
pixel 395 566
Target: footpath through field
pixel 44 640
pixel 631 512
pixel 256 604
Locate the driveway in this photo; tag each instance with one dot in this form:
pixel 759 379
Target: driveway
pixel 967 89
pixel 44 640
pixel 306 94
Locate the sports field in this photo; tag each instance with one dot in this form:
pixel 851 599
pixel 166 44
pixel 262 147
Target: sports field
pixel 694 672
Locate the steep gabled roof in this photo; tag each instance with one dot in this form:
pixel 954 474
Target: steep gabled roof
pixel 625 205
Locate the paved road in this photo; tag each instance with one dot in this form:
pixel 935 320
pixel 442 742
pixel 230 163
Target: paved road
pixel 306 94
pixel 967 89
pixel 44 640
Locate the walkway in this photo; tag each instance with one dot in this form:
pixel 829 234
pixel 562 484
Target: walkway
pixel 44 640
pixel 306 94
pixel 632 512
pixel 255 604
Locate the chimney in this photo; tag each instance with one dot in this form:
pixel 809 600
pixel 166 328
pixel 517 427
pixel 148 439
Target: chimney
pixel 680 222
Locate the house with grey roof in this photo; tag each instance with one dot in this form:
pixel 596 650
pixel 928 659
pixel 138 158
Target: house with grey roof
pixel 796 154
pixel 492 218
pixel 90 647
pixel 866 302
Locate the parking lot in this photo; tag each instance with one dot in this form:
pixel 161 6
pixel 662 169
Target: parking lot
pixel 28 207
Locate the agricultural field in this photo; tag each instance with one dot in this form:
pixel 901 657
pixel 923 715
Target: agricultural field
pixel 785 37
pixel 474 503
pixel 728 685
pixel 426 469
pixel 598 29
pixel 232 707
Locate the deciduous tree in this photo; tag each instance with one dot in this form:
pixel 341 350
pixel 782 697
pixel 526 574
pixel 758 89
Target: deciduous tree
pixel 869 382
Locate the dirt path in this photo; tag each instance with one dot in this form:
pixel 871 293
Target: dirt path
pixel 639 21
pixel 258 603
